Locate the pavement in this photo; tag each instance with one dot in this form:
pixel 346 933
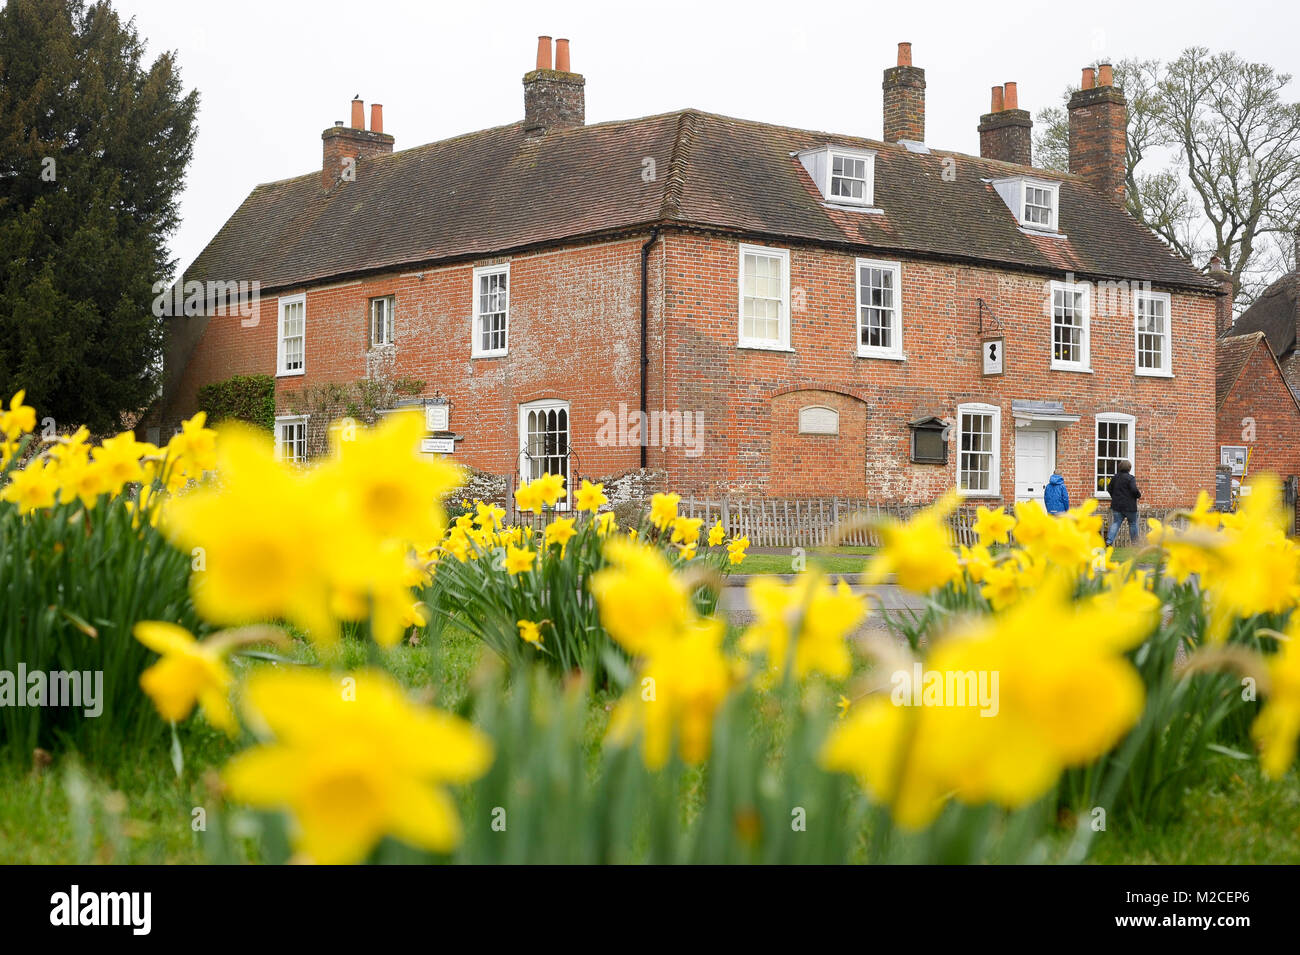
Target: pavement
pixel 734 601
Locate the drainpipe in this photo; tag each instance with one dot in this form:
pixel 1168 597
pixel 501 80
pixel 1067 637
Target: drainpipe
pixel 645 335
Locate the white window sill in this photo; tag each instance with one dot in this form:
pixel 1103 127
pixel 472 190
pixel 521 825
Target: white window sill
pixel 1104 495
pixel 854 207
pixel 758 346
pixel 386 347
pixel 291 374
pixel 1077 369
pixel 1042 233
pixel 1147 373
pixel 489 354
pixel 996 493
pixel 887 355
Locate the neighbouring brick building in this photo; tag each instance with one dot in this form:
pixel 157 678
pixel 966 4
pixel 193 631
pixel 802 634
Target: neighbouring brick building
pixel 1258 412
pixel 838 315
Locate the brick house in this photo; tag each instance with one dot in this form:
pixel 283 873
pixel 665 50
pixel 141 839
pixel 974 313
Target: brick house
pixel 787 312
pixel 1257 410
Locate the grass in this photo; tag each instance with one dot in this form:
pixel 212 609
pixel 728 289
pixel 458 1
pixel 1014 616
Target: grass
pixel 784 563
pixel 136 810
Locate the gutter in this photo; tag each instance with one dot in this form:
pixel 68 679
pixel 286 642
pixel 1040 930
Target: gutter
pixel 645 334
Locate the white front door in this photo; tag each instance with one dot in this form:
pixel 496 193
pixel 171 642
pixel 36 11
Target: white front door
pixel 1035 460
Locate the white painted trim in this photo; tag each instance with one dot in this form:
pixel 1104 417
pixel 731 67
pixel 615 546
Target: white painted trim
pixel 782 343
pixel 869 183
pixel 281 302
pixel 1123 418
pixel 896 351
pixel 545 404
pixel 289 419
pixel 475 350
pixel 995 467
pixel 1167 369
pixel 1080 366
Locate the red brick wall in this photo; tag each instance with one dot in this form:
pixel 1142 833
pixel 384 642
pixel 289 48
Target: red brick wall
pixel 741 392
pixel 574 334
pixel 1260 414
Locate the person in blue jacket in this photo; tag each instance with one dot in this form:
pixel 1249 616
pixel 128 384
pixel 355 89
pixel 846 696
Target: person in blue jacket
pixel 1055 497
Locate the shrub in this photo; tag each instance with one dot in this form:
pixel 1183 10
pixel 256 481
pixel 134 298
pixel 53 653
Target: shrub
pixel 248 398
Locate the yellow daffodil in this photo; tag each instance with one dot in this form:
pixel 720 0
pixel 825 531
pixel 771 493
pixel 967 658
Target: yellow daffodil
pixel 919 552
pixel 530 632
pixel 717 534
pixel 33 488
pixel 641 601
pixel 1278 724
pixel 528 498
pixel 20 419
pixel 993 525
pixel 519 560
pixel 605 524
pixel 663 509
pixel 736 550
pixel 591 497
pixel 559 531
pixel 686 530
pixel 190 672
pixel 805 624
pixel 353 761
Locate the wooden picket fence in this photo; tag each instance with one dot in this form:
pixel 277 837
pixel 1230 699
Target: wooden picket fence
pixel 817 522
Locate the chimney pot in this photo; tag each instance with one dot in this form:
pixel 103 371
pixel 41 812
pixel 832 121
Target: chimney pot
pixel 1006 131
pixel 543 52
pixel 554 98
pixel 1105 76
pixel 1009 98
pixel 904 54
pixel 997 105
pixel 1098 121
pixel 1089 78
pixel 376 117
pixel 562 55
pixel 358 113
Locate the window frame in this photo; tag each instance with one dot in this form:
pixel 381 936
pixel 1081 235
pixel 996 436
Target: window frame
pixel 868 159
pixel 476 348
pixel 1085 344
pixel 782 342
pixel 1167 368
pixel 281 371
pixel 1053 189
pixel 547 404
pixel 1111 417
pixel 295 419
pixel 895 351
pixel 994 489
pixel 390 321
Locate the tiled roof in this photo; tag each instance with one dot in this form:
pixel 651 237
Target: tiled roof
pixel 1275 313
pixel 498 191
pixel 1230 357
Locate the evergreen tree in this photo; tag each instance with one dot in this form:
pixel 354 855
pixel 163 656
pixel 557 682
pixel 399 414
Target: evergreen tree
pixel 94 143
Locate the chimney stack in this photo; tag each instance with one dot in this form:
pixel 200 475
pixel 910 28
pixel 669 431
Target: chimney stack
pixel 1098 126
pixel 904 88
pixel 1296 263
pixel 1006 130
pixel 343 145
pixel 553 97
pixel 1223 299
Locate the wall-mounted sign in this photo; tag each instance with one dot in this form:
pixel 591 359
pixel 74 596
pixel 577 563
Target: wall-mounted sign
pixel 437 417
pixel 438 445
pixel 1234 457
pixel 814 419
pixel 991 349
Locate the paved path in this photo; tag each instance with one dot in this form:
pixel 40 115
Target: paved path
pixel 734 601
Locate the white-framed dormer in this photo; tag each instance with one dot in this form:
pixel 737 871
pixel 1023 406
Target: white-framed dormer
pixel 845 176
pixel 1036 203
pixel 763 298
pixel 291 336
pixel 978 458
pixel 490 331
pixel 1069 309
pixel 1115 440
pixel 880 309
pixel 1152 334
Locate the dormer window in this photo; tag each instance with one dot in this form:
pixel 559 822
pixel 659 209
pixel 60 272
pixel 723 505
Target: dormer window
pixel 843 176
pixel 1035 202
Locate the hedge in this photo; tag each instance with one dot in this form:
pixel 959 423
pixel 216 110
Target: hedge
pixel 248 398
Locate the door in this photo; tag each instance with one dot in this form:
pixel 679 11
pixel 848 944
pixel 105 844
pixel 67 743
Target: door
pixel 1035 461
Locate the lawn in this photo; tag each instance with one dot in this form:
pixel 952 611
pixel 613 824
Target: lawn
pixel 136 810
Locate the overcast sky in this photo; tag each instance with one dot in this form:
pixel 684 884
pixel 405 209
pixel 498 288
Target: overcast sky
pixel 273 73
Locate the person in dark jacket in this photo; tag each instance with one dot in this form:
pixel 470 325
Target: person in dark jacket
pixel 1055 496
pixel 1124 494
